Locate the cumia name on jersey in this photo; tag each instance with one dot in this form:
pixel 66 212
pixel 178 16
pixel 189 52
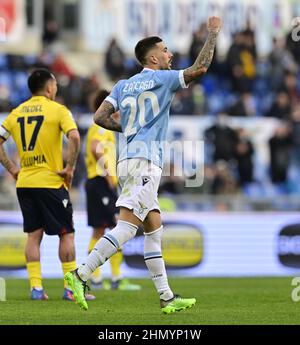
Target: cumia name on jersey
pixel 151 334
pixel 33 160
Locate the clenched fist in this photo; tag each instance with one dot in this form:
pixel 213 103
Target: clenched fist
pixel 214 24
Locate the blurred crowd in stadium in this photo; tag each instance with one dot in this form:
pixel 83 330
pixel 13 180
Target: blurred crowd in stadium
pixel 241 84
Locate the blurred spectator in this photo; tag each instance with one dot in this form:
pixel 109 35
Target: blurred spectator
pixel 183 103
pixel 281 107
pixel 4 98
pixel 209 177
pixel 114 60
pixel 222 138
pixel 250 45
pixel 197 43
pixel 170 181
pixel 200 105
pixel 64 76
pixel 281 60
pixel 295 137
pixel 180 61
pixel 60 66
pixel 43 60
pixel 16 62
pixel 88 87
pixel 131 67
pixel 233 54
pixel 244 157
pixel 250 33
pixel 244 106
pixel 224 181
pixel 289 85
pixel 50 34
pixel 295 122
pixel 241 61
pixel 280 149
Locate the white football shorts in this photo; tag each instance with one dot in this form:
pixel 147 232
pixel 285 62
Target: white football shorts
pixel 139 180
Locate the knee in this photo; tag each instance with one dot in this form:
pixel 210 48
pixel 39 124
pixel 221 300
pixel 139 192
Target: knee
pixel 155 234
pixel 123 232
pixel 153 238
pixel 131 228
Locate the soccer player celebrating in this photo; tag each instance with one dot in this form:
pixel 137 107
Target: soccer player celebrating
pixel 101 195
pixel 37 126
pixel 144 102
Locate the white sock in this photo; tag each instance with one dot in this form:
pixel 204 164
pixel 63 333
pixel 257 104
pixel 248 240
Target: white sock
pixel 106 247
pixel 155 263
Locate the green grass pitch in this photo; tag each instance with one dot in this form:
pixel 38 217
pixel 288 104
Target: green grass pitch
pixel 220 301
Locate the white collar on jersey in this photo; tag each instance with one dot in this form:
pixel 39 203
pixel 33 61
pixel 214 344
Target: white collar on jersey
pixel 145 69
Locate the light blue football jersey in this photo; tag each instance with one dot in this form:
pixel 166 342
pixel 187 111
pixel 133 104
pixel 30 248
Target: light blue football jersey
pixel 144 102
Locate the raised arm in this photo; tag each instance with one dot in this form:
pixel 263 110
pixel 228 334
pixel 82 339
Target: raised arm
pixel 205 56
pixel 103 117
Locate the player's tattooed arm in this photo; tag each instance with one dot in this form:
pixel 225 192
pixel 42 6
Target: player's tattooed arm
pixel 7 163
pixel 206 54
pixel 72 153
pixel 103 117
pixel 73 148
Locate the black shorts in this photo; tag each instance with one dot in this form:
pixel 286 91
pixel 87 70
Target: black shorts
pixel 47 208
pixel 101 203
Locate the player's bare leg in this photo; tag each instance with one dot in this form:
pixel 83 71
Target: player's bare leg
pixel 32 254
